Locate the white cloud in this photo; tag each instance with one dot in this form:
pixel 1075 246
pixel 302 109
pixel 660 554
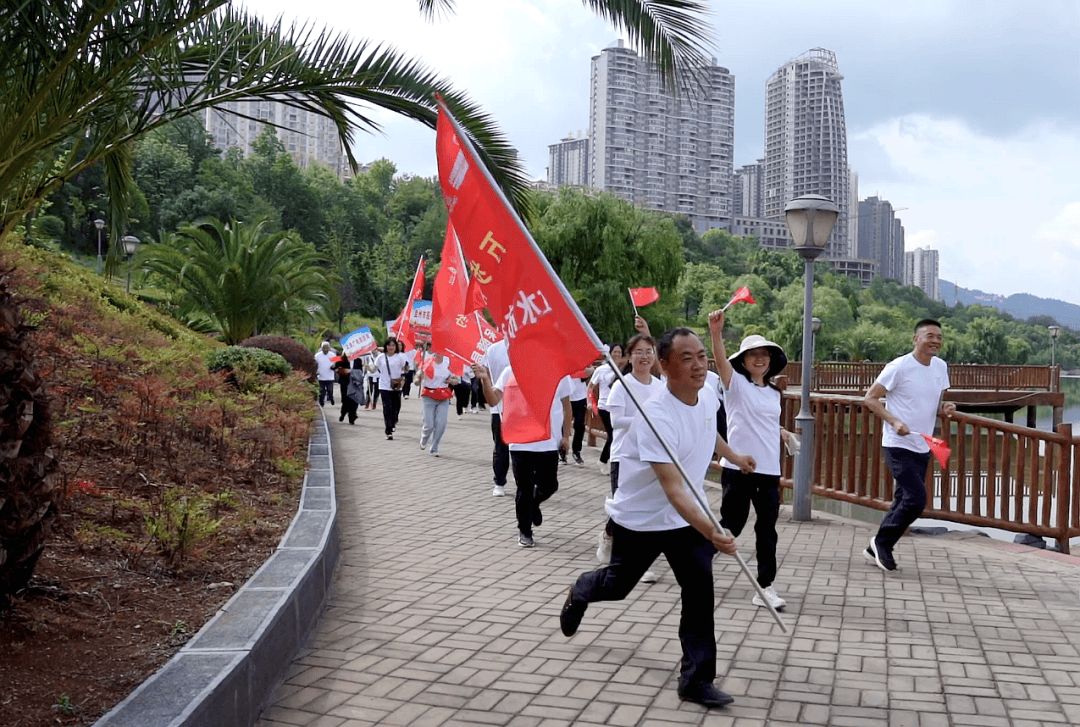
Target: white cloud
pixel 1004 212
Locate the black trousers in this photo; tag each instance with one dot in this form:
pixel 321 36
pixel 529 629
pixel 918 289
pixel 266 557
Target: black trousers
pixel 605 417
pixel 477 399
pixel 407 388
pixel 326 391
pixel 536 475
pixel 391 407
pixel 462 392
pixel 909 496
pixel 763 491
pixel 577 408
pixel 500 455
pixel 690 555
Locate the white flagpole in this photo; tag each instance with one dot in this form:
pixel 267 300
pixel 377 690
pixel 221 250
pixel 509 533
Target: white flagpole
pixel 567 298
pixel 701 501
pixel 628 290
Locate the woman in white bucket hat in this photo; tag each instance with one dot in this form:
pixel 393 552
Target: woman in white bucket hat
pixel 752 401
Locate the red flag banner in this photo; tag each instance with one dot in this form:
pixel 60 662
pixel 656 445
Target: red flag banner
pixel 401 329
pixel 547 334
pixel 939 448
pixel 592 401
pixel 455 332
pixel 742 295
pixel 520 422
pixel 644 296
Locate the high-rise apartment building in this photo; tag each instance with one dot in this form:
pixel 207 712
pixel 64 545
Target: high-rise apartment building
pixel 748 192
pixel 921 270
pixel 657 150
pixel 568 162
pixel 308 137
pixel 881 238
pixel 806 140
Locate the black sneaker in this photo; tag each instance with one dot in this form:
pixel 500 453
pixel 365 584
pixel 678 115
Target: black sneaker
pixel 537 516
pixel 706 695
pixel 578 459
pixel 879 556
pixel 572 613
pixel 525 541
pixel 562 457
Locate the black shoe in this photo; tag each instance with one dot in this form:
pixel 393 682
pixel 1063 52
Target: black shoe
pixel 562 457
pixel 572 613
pixel 578 459
pixel 880 555
pixel 706 695
pixel 389 436
pixel 341 418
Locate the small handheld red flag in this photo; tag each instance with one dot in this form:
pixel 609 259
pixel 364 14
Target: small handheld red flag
pixel 939 449
pixel 742 295
pixel 592 402
pixel 644 296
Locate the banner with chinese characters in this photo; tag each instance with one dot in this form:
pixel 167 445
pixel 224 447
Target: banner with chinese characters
pixel 547 335
pixel 358 343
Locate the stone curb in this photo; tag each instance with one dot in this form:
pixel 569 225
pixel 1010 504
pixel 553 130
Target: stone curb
pixel 225 674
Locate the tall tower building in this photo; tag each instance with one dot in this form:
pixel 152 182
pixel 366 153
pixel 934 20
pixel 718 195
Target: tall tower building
pixel 806 140
pixel 747 192
pixel 308 137
pixel 660 151
pixel 921 270
pixel 881 238
pixel 568 162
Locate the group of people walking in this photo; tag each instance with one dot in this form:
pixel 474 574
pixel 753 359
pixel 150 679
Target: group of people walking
pixel 669 420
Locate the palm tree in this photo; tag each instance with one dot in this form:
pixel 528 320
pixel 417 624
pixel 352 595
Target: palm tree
pixel 81 79
pixel 240 279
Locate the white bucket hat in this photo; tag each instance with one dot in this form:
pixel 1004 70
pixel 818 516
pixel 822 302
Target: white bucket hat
pixel 777 361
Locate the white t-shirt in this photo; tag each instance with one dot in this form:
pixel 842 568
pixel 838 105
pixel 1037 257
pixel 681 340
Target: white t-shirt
pixel 398 363
pixel 326 366
pixel 550 444
pixel 640 502
pixel 602 378
pixel 713 379
pixel 435 373
pixel 914 391
pixel 753 414
pixel 497 360
pixel 622 409
pixel 578 389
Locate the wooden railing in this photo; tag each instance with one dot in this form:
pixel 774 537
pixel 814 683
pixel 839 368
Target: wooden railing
pixel 1000 475
pixel 843 376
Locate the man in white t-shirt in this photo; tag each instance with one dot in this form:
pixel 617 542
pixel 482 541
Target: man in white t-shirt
pixel 535 464
pixel 496 359
pixel 655 513
pixel 912 386
pixel 326 373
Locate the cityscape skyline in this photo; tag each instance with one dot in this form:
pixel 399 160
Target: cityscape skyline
pixel 985 182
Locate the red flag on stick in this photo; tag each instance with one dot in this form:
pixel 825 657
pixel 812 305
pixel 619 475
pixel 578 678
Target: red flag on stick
pixel 547 334
pixel 742 295
pixel 592 402
pixel 939 448
pixel 456 332
pixel 644 296
pixel 401 328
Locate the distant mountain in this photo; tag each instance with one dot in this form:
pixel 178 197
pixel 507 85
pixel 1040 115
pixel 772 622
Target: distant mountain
pixel 1020 305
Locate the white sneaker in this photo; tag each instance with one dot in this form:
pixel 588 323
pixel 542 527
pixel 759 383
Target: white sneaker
pixel 473 410
pixel 605 468
pixel 603 549
pixel 498 491
pixel 423 444
pixel 649 577
pixel 774 600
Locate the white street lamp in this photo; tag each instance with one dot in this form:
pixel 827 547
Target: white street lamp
pixel 100 225
pixel 1054 331
pixel 810 221
pixel 131 244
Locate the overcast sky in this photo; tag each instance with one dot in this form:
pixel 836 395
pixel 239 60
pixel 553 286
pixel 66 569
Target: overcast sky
pixel 965 113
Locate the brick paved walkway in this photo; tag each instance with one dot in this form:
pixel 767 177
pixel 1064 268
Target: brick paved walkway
pixel 438 618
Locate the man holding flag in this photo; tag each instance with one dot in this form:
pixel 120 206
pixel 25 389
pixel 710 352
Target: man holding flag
pixel 912 387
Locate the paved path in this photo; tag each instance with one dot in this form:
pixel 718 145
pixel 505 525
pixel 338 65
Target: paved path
pixel 438 618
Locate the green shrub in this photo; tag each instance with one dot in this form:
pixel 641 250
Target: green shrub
pixel 238 359
pixel 297 354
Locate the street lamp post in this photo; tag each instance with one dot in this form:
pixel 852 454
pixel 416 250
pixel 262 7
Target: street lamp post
pixel 131 244
pixel 1054 331
pixel 810 221
pixel 100 225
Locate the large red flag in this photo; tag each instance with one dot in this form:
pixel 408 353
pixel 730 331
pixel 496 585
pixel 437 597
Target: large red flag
pixel 457 333
pixel 401 329
pixel 548 336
